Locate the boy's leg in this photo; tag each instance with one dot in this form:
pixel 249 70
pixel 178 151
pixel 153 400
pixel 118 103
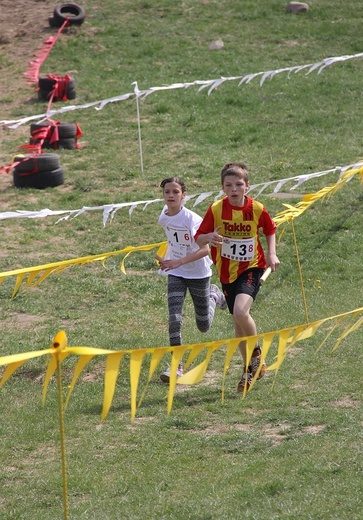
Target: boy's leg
pixel 244 324
pixel 240 298
pixel 204 303
pixel 177 289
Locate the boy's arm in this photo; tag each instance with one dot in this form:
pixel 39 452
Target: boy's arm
pixel 203 239
pixel 214 239
pixel 272 260
pixel 206 233
pixel 166 265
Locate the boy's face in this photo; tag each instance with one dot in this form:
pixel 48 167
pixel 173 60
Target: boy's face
pixel 235 189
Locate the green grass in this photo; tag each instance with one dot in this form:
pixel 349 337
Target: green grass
pixel 292 448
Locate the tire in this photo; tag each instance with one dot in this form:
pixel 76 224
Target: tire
pixel 36 131
pixel 47 84
pixel 41 163
pixel 43 95
pixel 71 93
pixel 64 129
pixel 39 180
pixel 67 135
pixel 37 126
pixel 34 135
pixel 73 12
pixel 69 143
pixel 46 144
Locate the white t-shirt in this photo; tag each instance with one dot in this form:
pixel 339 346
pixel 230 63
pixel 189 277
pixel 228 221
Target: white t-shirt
pixel 180 230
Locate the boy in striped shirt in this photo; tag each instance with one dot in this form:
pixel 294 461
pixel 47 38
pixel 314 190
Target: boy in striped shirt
pixel 231 227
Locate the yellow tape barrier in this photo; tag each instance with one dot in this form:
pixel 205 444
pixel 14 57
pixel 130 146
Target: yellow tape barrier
pixel 284 338
pixel 295 211
pixel 39 273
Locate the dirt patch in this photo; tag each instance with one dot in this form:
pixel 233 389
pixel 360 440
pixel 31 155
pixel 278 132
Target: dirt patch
pixel 24 27
pixel 278 434
pixel 346 402
pixel 21 320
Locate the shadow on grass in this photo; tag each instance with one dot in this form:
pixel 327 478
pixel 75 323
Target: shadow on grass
pixel 193 398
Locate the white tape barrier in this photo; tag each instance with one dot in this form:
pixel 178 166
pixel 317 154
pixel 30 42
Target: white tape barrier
pixel 211 84
pixel 109 210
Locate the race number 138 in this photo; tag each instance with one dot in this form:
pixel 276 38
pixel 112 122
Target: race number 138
pixel 240 250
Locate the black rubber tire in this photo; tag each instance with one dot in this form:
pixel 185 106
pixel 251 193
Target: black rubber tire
pixel 43 95
pixel 73 12
pixel 45 144
pixel 47 84
pixel 67 133
pixel 44 162
pixel 37 126
pixel 39 180
pixel 69 143
pixel 64 129
pixel 71 93
pixel 34 127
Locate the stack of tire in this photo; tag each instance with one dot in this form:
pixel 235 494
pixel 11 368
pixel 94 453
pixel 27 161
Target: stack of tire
pixel 38 171
pixel 71 12
pixel 46 86
pixel 43 134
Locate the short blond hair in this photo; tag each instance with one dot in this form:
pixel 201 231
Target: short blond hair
pixel 235 168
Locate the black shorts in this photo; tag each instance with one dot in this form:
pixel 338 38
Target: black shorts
pixel 247 283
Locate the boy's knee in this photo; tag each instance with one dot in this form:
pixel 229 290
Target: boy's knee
pixel 241 316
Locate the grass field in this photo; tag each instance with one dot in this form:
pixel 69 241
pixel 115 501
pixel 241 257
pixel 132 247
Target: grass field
pixel 292 447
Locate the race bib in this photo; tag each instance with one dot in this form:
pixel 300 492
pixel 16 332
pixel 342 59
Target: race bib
pixel 240 250
pixel 179 241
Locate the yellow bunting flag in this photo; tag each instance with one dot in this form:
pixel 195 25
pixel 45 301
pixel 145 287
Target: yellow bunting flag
pixel 295 211
pixel 39 273
pixel 275 344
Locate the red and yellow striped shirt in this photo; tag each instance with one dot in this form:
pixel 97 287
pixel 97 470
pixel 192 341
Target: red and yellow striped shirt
pixel 240 226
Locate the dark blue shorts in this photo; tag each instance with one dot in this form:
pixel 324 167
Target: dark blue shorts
pixel 247 283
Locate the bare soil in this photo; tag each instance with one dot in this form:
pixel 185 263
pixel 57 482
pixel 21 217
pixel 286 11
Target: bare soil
pixel 24 27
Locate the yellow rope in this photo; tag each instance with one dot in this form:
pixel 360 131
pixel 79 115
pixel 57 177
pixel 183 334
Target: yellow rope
pixel 299 269
pixel 63 449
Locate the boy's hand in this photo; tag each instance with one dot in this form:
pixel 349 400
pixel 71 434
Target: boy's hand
pixel 215 239
pixel 272 261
